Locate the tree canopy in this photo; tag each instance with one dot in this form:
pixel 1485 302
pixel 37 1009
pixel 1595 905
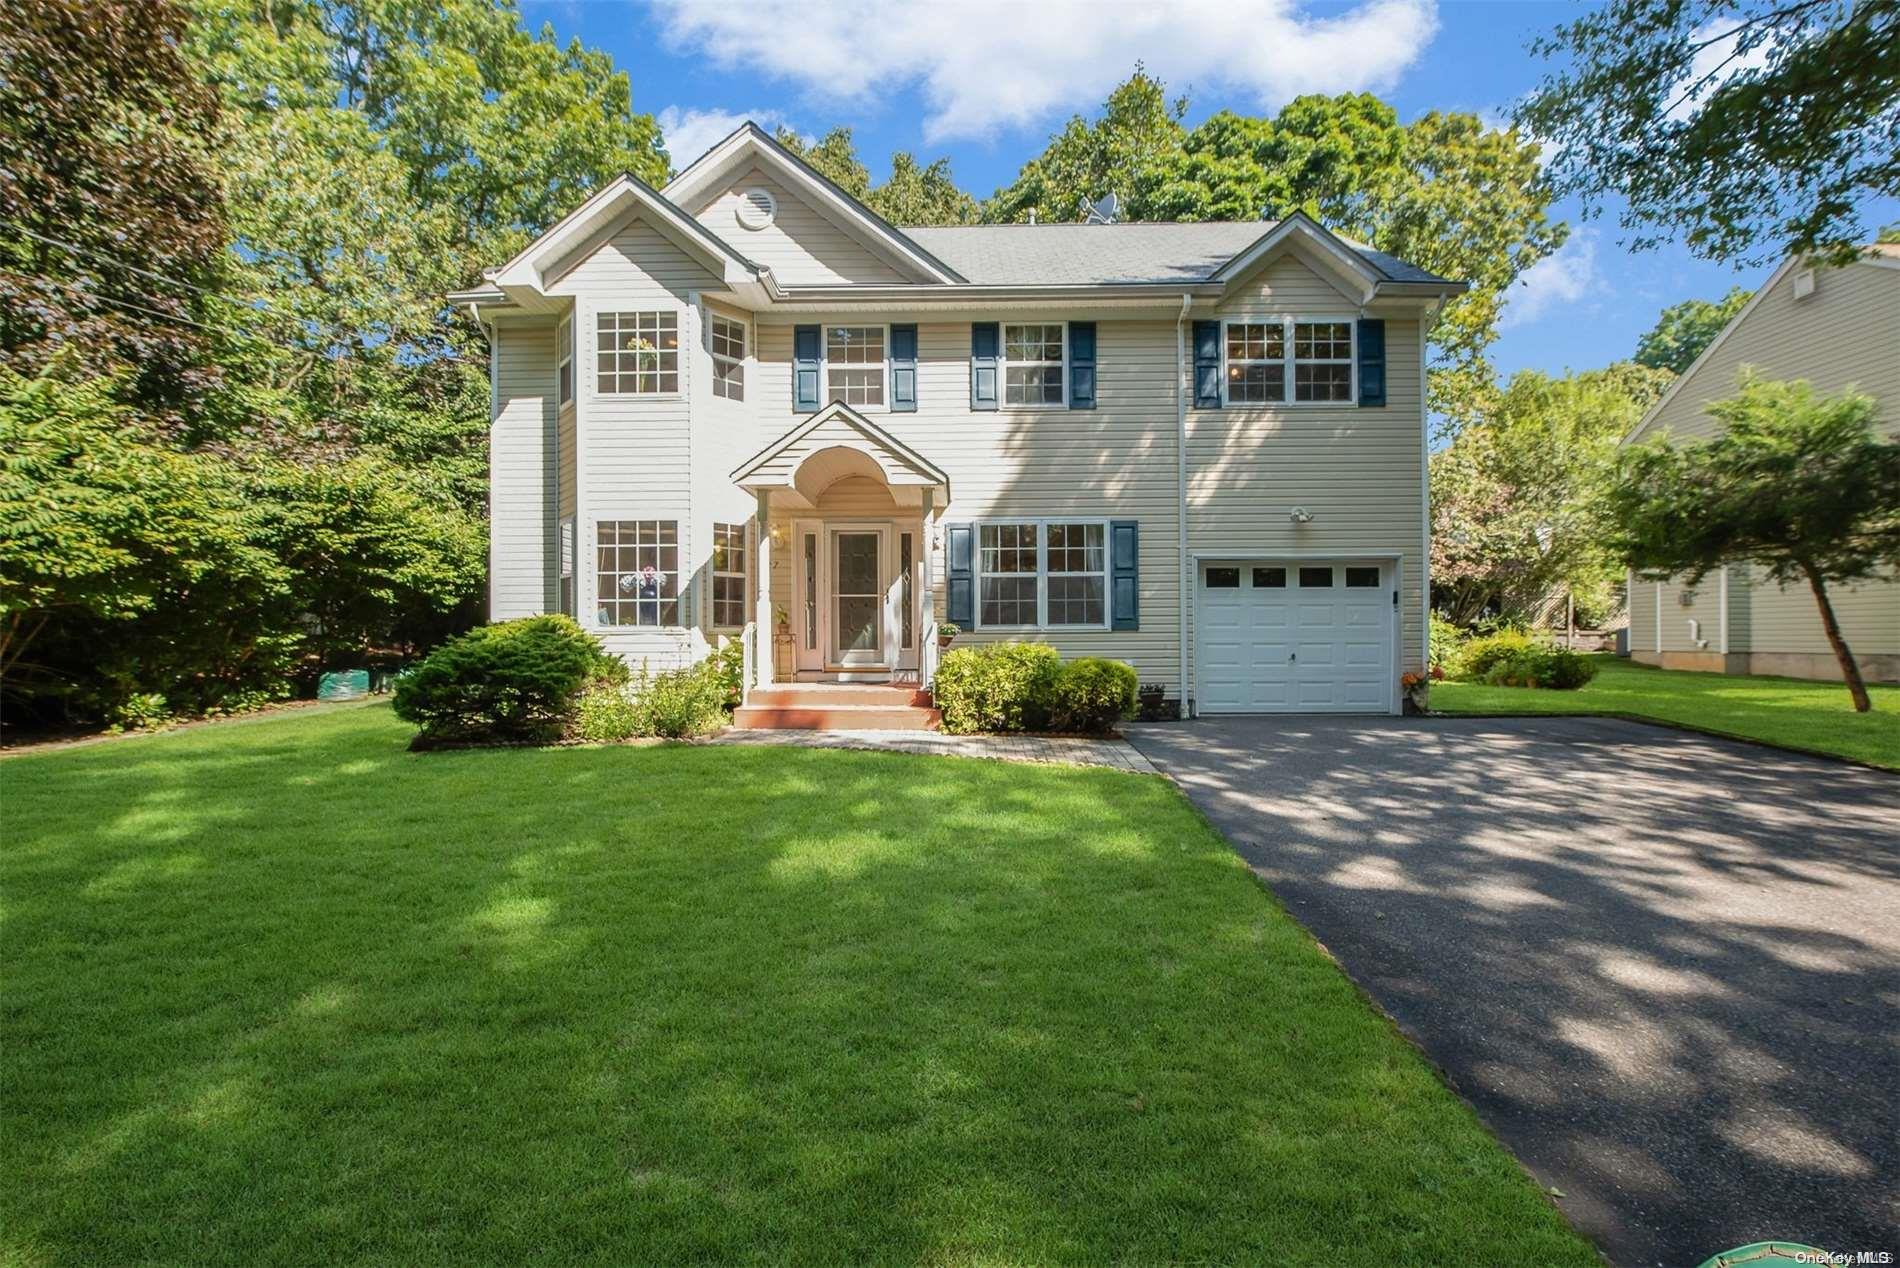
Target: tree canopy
pixel 1798 485
pixel 1685 329
pixel 914 195
pixel 1748 129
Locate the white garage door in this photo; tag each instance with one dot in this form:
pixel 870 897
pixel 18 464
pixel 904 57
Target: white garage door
pixel 1295 636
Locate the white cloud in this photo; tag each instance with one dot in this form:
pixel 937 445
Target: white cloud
pixel 987 64
pixel 1713 64
pixel 1563 278
pixel 690 133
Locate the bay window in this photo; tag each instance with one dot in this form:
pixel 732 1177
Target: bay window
pixel 637 572
pixel 728 358
pixel 638 354
pixel 729 575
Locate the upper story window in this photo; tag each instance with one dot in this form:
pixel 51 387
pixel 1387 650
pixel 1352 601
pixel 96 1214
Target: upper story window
pixel 1313 360
pixel 1033 364
pixel 638 577
pixel 639 353
pixel 854 364
pixel 728 358
pixel 564 349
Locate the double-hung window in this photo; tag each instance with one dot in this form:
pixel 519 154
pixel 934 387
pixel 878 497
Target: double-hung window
pixel 1049 574
pixel 729 575
pixel 567 565
pixel 1278 359
pixel 638 353
pixel 564 350
pixel 728 358
pixel 854 364
pixel 638 572
pixel 1033 365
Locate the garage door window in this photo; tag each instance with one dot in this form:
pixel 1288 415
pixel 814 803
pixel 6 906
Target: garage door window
pixel 1362 578
pixel 1316 578
pixel 1269 578
pixel 1223 578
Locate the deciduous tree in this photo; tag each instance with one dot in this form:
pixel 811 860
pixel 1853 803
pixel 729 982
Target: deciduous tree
pixel 1685 329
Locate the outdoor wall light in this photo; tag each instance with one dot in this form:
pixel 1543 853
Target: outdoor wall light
pixel 1300 515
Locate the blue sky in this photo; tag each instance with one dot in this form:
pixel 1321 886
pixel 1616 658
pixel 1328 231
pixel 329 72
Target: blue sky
pixel 985 82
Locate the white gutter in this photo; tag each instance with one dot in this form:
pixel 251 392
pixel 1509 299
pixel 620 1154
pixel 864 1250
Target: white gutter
pixel 1180 509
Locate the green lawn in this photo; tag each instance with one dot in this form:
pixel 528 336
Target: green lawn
pixel 1795 712
pixel 285 992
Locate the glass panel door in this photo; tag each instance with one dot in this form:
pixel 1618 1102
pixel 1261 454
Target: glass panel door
pixel 857 598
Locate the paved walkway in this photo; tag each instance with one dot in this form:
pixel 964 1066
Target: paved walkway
pixel 1664 967
pixel 1070 750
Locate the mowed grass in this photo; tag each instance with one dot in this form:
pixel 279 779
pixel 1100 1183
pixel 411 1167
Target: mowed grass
pixel 1794 712
pixel 286 993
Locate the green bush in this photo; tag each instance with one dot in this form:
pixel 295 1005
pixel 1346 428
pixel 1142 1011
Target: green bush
pixel 1443 639
pixel 605 713
pixel 996 687
pixel 677 703
pixel 728 663
pixel 1477 657
pixel 1540 665
pixel 1092 694
pixel 514 680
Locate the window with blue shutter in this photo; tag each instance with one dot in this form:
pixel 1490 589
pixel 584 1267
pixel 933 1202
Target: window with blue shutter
pixel 1081 365
pixel 959 582
pixel 903 369
pixel 807 368
pixel 1371 361
pixel 985 349
pixel 1206 365
pixel 1125 574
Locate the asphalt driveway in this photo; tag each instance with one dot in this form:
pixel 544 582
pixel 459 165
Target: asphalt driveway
pixel 1664 968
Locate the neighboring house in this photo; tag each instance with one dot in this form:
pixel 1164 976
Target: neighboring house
pixel 745 400
pixel 1837 328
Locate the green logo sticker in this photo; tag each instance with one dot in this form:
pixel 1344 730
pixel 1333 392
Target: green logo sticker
pixel 1773 1255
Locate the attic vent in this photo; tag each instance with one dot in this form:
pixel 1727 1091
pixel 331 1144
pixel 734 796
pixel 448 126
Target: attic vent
pixel 1804 283
pixel 757 207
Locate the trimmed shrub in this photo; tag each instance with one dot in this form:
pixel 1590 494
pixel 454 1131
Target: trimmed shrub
pixel 514 680
pixel 996 687
pixel 1541 666
pixel 1477 657
pixel 1092 694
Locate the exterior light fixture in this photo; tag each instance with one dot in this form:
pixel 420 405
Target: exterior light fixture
pixel 1300 515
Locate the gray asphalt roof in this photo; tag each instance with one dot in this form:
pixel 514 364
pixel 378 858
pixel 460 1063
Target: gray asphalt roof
pixel 1088 255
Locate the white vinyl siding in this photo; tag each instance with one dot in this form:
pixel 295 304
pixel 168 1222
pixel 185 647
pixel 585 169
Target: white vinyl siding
pixel 801 246
pixel 522 474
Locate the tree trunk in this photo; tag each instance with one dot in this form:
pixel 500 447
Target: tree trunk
pixel 1850 671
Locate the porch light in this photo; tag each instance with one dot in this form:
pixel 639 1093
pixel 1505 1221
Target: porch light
pixel 1300 515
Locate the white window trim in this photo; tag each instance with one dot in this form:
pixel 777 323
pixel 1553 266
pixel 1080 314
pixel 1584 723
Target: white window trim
pixel 679 329
pixel 592 573
pixel 713 574
pixel 1287 323
pixel 743 362
pixel 564 359
pixel 1042 524
pixel 1003 363
pixel 884 367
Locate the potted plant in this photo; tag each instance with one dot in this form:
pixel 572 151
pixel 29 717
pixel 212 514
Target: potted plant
pixel 1417 692
pixel 1150 695
pixel 947 631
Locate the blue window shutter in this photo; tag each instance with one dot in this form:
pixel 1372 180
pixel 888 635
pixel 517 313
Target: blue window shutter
pixel 903 369
pixel 1206 365
pixel 1081 365
pixel 1125 577
pixel 960 574
pixel 1371 361
pixel 807 368
pixel 986 346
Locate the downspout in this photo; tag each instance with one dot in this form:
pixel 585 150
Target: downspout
pixel 1180 505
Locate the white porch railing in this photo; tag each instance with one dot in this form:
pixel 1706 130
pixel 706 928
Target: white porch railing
pixel 748 657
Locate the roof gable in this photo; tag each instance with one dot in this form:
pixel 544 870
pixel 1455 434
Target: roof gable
pixel 749 146
pixel 1302 235
pixel 802 246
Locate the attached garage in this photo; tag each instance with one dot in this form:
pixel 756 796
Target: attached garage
pixel 1296 636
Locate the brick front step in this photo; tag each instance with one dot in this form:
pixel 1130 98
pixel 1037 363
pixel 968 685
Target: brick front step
pixel 800 695
pixel 811 716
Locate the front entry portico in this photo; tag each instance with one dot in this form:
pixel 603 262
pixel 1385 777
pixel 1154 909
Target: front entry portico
pixel 848 511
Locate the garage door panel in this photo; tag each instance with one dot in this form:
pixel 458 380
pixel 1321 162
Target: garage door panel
pixel 1264 648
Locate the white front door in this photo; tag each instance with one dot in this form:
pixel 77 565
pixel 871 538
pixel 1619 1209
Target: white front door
pixel 1296 636
pixel 858 605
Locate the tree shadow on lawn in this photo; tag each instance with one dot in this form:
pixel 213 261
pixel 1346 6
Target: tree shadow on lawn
pixel 313 998
pixel 1665 967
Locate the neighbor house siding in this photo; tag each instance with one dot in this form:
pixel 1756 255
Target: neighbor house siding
pixel 800 246
pixel 522 560
pixel 1845 334
pixel 1356 470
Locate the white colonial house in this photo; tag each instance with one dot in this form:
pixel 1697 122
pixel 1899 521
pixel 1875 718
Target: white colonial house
pixel 744 406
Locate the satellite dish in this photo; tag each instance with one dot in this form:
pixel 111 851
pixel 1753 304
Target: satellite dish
pixel 1105 211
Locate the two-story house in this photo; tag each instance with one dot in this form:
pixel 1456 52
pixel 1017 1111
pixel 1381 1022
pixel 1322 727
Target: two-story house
pixel 746 402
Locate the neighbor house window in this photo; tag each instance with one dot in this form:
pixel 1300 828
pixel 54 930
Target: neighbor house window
pixel 1322 361
pixel 564 349
pixel 567 566
pixel 1032 365
pixel 728 359
pixel 1042 573
pixel 1267 359
pixel 1256 362
pixel 854 364
pixel 728 567
pixel 638 572
pixel 639 353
